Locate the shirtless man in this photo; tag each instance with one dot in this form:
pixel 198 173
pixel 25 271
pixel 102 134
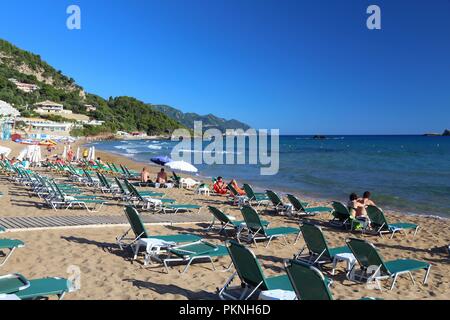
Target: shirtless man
pixel 161 177
pixel 365 200
pixel 145 175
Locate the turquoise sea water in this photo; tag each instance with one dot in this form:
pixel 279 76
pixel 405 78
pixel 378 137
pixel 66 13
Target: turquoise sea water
pixel 406 173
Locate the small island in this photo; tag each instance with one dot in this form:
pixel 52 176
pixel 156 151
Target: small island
pixel 446 133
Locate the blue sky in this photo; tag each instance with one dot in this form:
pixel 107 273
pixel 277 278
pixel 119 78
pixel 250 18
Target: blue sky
pixel 305 67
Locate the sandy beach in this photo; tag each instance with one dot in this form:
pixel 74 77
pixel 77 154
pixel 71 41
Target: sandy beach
pixel 109 273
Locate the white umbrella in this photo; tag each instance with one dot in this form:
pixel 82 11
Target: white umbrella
pixel 78 154
pixel 35 156
pixel 181 166
pixel 64 154
pixel 93 154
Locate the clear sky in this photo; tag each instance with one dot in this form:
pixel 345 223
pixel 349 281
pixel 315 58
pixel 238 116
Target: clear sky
pixel 305 67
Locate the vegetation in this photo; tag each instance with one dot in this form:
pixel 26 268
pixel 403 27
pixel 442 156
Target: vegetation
pixel 120 113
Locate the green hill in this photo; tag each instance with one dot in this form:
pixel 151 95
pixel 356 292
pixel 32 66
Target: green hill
pixel 209 121
pixel 120 113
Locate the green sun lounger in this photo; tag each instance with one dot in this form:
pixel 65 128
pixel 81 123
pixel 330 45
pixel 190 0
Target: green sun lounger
pixel 250 274
pixel 308 282
pixel 226 222
pixel 11 245
pixel 278 204
pixel 26 289
pixel 191 252
pixel 341 214
pixel 381 225
pixel 257 230
pixel 175 208
pixel 374 268
pixel 259 198
pixel 318 250
pixel 140 232
pixel 301 209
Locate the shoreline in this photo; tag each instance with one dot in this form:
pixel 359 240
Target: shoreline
pixel 137 165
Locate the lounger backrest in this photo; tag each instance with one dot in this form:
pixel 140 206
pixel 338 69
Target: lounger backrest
pixel 249 191
pixel 252 220
pixel 119 184
pixel 295 202
pixel 308 282
pixel 135 222
pixel 366 254
pixel 376 216
pixel 340 211
pixel 232 189
pixel 314 239
pixel 218 214
pixel 276 200
pixel 246 265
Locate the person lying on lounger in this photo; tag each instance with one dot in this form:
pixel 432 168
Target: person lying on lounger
pixel 220 187
pixel 236 187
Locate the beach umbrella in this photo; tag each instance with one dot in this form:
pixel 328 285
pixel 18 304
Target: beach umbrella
pixel 181 166
pixel 64 154
pixel 161 160
pixel 93 153
pixel 78 154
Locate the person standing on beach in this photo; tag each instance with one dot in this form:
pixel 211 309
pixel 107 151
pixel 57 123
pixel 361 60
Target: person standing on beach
pixel 85 154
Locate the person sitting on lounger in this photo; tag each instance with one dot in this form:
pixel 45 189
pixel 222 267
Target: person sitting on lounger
pixel 236 187
pixel 358 211
pixel 145 175
pixel 161 177
pixel 220 187
pixel 365 200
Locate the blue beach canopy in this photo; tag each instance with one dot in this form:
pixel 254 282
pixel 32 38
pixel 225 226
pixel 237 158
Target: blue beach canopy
pixel 161 160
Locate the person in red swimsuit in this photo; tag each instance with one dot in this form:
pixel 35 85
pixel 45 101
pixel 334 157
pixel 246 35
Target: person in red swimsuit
pixel 220 186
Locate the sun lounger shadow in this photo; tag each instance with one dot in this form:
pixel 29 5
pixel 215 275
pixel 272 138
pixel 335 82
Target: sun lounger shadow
pixel 109 247
pixel 172 289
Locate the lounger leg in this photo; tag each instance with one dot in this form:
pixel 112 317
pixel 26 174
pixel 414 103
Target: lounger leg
pixel 188 265
pixel 268 243
pixel 426 275
pixel 253 291
pixel 297 237
pixel 7 257
pixel 415 231
pixel 222 293
pixel 412 278
pixel 393 282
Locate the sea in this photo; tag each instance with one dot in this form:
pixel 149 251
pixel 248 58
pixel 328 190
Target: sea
pixel 410 174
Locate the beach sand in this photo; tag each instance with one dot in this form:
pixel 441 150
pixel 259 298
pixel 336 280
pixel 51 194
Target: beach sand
pixel 109 273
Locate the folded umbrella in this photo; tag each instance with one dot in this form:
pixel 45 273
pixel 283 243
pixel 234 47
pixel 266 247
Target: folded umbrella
pixel 161 160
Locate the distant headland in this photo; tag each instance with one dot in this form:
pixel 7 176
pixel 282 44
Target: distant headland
pixel 446 133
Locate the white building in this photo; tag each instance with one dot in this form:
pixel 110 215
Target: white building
pixel 46 107
pixel 6 110
pixel 25 87
pixel 90 108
